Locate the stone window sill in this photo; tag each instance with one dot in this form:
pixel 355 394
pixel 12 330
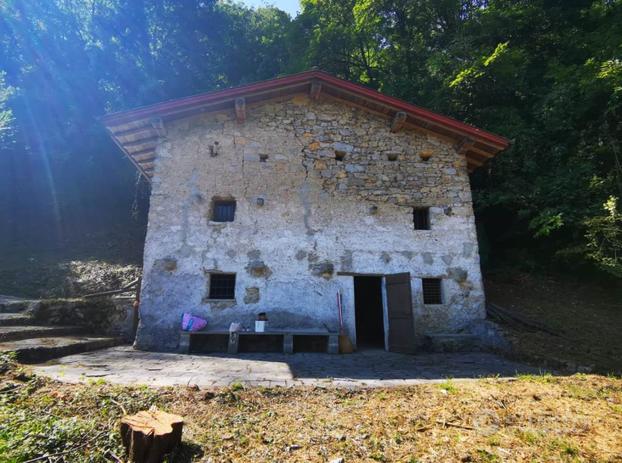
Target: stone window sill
pixel 219 300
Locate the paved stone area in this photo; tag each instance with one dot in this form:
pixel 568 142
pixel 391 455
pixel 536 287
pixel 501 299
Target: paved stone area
pixel 374 368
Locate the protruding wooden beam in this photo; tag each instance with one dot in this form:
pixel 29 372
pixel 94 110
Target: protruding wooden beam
pixel 486 154
pixel 240 110
pixel 398 121
pixel 475 162
pixel 140 145
pixel 135 133
pixel 158 125
pixel 464 145
pixel 144 157
pixel 316 89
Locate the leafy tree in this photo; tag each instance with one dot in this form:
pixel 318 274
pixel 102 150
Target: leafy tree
pixel 6 115
pixel 545 73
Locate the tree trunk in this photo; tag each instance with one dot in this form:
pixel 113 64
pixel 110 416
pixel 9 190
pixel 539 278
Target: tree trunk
pixel 149 435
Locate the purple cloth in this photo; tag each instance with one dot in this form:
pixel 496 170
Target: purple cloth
pixel 191 323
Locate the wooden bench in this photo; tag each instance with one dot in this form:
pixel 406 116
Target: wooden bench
pixel 287 334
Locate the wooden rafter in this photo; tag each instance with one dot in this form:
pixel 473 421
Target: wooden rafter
pixel 141 144
pixel 144 157
pixel 157 123
pixel 316 89
pixel 240 109
pixel 398 121
pixel 464 144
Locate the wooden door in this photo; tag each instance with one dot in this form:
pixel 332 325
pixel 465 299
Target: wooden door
pixel 399 308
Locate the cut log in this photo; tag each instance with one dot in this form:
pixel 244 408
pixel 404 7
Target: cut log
pixel 149 435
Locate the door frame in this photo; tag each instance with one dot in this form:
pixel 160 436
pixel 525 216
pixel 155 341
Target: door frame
pixel 351 308
pixel 385 307
pixel 385 303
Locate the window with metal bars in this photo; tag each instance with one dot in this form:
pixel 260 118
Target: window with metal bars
pixel 223 210
pixel 421 218
pixel 222 285
pixel 432 291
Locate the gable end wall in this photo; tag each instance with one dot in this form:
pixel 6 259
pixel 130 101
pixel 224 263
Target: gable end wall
pixel 319 217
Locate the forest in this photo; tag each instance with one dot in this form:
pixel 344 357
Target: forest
pixel 547 74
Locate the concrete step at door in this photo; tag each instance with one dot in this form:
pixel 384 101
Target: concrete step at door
pixel 16 319
pixel 15 333
pixel 38 350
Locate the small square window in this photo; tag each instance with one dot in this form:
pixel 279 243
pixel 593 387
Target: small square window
pixel 432 293
pixel 223 210
pixel 222 285
pixel 421 218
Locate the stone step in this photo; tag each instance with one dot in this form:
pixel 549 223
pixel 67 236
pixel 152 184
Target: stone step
pixel 38 350
pixel 15 319
pixel 14 306
pixel 15 333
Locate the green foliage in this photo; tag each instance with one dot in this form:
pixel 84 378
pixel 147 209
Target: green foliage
pixel 547 75
pixel 54 423
pixel 6 115
pixel 604 235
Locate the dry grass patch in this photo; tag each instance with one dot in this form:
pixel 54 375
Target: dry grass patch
pixel 533 418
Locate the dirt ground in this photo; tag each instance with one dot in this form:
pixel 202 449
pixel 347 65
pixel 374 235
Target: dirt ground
pixel 532 418
pixel 586 316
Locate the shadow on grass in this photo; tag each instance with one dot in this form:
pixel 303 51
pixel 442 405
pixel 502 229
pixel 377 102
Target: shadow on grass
pixel 186 452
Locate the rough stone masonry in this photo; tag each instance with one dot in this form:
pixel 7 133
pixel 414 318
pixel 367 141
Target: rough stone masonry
pixel 323 190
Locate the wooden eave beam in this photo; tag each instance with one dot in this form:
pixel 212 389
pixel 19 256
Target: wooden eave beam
pixel 464 144
pixel 135 132
pixel 476 162
pixel 132 160
pixel 157 123
pixel 143 143
pixel 316 89
pixel 484 153
pixel 240 110
pixel 144 157
pixel 399 119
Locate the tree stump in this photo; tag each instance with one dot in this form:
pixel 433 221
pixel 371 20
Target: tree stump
pixel 149 435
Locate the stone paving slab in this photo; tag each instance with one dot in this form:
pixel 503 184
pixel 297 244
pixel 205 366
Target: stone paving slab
pixel 124 365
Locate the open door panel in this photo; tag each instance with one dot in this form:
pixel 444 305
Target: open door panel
pixel 399 308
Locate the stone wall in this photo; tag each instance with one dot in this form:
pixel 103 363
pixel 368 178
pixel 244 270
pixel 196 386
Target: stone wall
pixel 320 188
pixel 109 316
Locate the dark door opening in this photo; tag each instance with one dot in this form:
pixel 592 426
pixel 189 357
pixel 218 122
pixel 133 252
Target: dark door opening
pixel 368 311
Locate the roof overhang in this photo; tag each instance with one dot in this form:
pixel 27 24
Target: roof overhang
pixel 138 131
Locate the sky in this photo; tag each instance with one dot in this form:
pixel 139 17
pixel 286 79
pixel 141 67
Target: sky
pixel 290 6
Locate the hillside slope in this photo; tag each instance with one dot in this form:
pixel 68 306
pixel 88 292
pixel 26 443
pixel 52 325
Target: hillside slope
pixel 586 315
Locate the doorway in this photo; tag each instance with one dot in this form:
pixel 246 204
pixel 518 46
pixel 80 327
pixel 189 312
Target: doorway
pixel 368 310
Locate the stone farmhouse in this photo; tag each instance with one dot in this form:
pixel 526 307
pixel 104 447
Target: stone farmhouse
pixel 276 196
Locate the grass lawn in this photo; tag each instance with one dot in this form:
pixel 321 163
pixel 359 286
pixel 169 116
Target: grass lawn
pixel 533 418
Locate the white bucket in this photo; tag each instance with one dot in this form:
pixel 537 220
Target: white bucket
pixel 260 326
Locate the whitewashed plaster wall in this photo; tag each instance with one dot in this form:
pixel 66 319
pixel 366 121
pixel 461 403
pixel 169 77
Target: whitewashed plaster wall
pixel 318 219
